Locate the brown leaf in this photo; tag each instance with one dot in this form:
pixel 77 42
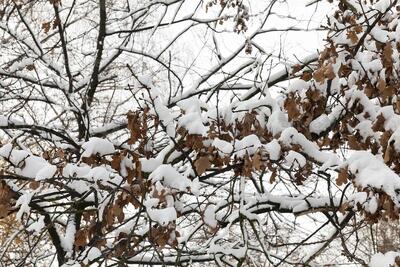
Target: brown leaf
pixel 352 36
pixel 116 162
pixel 381 85
pixel 306 76
pixel 342 177
pixel 369 90
pixel 379 124
pixel 296 68
pixel 291 108
pixel 389 152
pixel 30 67
pixel 60 153
pixel 398 106
pixel 5 193
pixel 46 155
pixel 329 73
pixel 387 55
pixel 202 164
pixel 353 142
pixel 256 161
pixel 134 127
pixel 319 76
pixel 4 210
pixel 344 207
pixel 90 160
pixel 117 211
pixel 272 178
pixel 46 26
pixel 81 238
pixel 358 28
pixel 34 185
pixel 385 138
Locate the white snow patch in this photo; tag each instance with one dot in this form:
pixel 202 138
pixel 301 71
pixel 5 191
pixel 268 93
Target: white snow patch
pixel 97 145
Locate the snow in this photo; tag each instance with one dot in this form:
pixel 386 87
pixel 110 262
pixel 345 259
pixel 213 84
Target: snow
pixel 365 130
pixel 73 170
pixel 46 172
pixel 192 122
pixel 170 177
pixel 224 148
pixel 320 124
pixel 5 150
pixel 3 121
pixel 67 240
pixel 23 202
pixel 26 164
pixel 97 145
pixel 383 5
pixel 162 216
pixel 291 136
pixel 273 149
pixel 298 85
pixel 247 145
pixel 149 165
pixel 295 160
pixel 91 254
pixel 379 34
pixel 368 203
pixel 209 216
pixel 99 173
pixel 371 171
pixel 277 122
pixel 37 226
pixel 384 260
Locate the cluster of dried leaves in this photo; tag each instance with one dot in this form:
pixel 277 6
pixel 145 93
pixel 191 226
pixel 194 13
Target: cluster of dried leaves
pixel 378 88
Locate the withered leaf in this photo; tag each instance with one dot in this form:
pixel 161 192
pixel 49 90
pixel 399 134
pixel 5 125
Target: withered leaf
pixel 272 178
pixel 387 55
pixel 353 142
pixel 318 75
pixel 256 161
pixel 329 73
pixel 352 36
pixel 342 177
pixel 4 210
pixel 306 76
pixel 388 153
pixel 34 185
pixel 379 124
pixel 46 26
pixel 202 164
pixel 291 108
pixel 81 238
pixel 116 162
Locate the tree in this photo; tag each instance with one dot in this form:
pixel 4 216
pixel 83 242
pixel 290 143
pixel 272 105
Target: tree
pixel 119 149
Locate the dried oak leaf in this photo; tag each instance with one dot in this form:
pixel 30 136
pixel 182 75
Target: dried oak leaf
pixel 272 178
pixel 202 164
pixel 318 75
pixel 352 36
pixel 257 161
pixel 342 177
pixel 116 162
pixel 81 238
pixel 46 26
pixel 291 108
pixel 387 55
pixel 379 124
pixel 389 153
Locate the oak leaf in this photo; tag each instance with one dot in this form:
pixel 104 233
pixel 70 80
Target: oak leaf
pixel 81 238
pixel 202 164
pixel 342 177
pixel 291 108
